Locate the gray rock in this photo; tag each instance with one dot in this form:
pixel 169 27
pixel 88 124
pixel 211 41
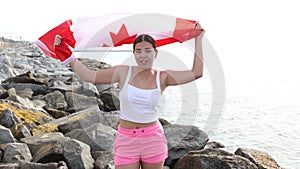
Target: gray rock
pixel 112 118
pixel 10 166
pixel 104 160
pixel 3 93
pixel 37 89
pixel 6 136
pixel 103 87
pixel 214 144
pixel 88 89
pixel 97 136
pixel 27 103
pixel 16 152
pixel 54 147
pixel 77 102
pixel 56 100
pixel 52 165
pixel 60 85
pixel 111 100
pixel 31 165
pixel 22 132
pixel 26 93
pixel 182 139
pixel 37 141
pixel 77 155
pixel 261 159
pixel 8 119
pixel 213 159
pixel 81 119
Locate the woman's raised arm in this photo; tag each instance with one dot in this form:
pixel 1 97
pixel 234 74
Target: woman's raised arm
pixel 101 76
pixel 182 77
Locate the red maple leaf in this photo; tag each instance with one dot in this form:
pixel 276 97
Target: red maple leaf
pixel 122 37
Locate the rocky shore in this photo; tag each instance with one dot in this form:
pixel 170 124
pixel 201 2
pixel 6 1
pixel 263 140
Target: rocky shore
pixel 50 119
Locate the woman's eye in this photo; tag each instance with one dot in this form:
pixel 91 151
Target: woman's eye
pixel 148 51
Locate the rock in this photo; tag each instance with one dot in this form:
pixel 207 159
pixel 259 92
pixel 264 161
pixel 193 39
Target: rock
pixel 104 160
pixel 26 93
pixel 24 78
pixel 164 122
pixel 213 159
pixel 261 159
pixel 31 165
pixel 27 103
pixel 8 119
pixel 37 89
pixel 103 87
pixel 214 144
pixel 44 128
pixel 22 131
pixel 97 136
pixel 3 93
pixel 6 136
pixel 88 89
pixel 56 100
pixel 94 64
pixel 182 139
pixel 112 118
pixel 28 117
pixel 110 100
pixel 77 102
pixel 37 141
pixel 54 147
pixel 81 119
pixel 60 85
pixel 16 152
pixel 10 166
pixel 56 113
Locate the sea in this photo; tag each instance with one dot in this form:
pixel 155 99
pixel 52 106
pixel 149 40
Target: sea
pixel 237 103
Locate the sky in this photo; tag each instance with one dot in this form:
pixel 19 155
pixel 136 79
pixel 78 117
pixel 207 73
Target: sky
pixel 254 40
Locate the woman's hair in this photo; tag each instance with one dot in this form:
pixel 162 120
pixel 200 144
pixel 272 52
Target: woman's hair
pixel 144 38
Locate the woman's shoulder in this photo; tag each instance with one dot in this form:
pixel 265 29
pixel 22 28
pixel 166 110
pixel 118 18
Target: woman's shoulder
pixel 122 69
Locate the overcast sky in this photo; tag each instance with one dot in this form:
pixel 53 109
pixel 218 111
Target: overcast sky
pixel 260 34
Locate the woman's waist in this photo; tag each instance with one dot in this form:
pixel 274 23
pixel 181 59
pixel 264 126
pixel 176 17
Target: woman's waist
pixel 134 125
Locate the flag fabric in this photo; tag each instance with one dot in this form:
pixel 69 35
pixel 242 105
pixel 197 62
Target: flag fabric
pixel 117 29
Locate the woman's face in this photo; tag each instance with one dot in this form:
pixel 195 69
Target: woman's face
pixel 144 54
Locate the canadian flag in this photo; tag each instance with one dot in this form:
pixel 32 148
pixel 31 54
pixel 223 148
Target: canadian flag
pixel 118 29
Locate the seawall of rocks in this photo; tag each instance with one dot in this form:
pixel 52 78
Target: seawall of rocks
pixel 49 119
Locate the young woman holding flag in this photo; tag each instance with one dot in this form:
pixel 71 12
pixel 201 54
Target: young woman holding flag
pixel 140 139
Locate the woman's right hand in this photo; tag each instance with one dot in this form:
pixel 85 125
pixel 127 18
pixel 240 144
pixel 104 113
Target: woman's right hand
pixel 62 50
pixel 57 40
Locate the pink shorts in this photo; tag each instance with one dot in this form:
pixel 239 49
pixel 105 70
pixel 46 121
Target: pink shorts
pixel 147 144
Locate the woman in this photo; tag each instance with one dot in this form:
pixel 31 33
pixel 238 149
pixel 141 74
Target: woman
pixel 140 140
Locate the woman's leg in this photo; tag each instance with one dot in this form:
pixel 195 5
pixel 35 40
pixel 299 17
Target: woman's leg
pixel 129 166
pixel 159 165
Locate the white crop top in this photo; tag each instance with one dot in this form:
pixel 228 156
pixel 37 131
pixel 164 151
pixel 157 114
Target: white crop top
pixel 139 105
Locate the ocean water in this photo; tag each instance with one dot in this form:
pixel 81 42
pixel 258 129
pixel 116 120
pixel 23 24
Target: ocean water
pixel 256 109
pixel 261 120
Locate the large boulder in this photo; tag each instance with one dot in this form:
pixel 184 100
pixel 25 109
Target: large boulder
pixel 261 159
pixel 97 136
pixel 16 152
pixel 213 159
pixel 182 139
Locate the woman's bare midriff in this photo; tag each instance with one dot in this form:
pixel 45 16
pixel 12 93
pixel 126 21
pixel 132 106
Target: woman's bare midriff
pixel 132 125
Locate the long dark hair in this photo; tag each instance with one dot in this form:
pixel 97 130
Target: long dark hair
pixel 144 38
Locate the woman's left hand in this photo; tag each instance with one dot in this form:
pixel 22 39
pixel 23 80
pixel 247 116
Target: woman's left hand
pixel 199 27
